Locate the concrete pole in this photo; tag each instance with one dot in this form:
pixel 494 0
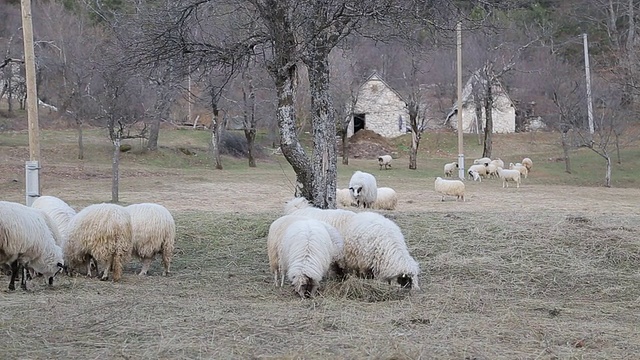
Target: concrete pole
pixel 588 75
pixel 32 167
pixel 460 134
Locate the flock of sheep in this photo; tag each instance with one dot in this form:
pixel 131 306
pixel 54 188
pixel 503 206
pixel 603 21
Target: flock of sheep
pixel 482 168
pixel 50 237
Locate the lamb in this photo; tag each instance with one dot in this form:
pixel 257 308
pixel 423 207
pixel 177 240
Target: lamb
pixel 101 232
pixel 475 176
pixel 278 228
pixel 523 169
pixel 384 160
pixel 450 188
pixel 484 160
pixel 480 169
pixel 27 239
pixel 509 175
pixel 363 188
pixel 374 247
pixel 153 231
pixel 450 168
pixel 498 163
pixel 387 199
pixel 60 213
pixel 305 255
pixel 343 197
pixel 527 163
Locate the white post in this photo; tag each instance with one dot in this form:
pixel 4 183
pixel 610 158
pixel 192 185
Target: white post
pixel 32 167
pixel 460 135
pixel 588 75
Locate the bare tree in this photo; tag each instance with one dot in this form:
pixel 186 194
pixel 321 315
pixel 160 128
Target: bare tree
pixel 249 115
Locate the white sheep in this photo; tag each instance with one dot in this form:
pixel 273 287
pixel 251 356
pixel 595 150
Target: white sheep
pixel 343 197
pixel 60 213
pixel 498 163
pixel 475 176
pixel 153 231
pixel 374 247
pixel 363 188
pixel 523 169
pixel 27 240
pixel 480 169
pixel 450 168
pixel 100 232
pixel 338 218
pixel 528 163
pixel 492 170
pixel 387 199
pixel 450 188
pixel 305 255
pixel 384 160
pixel 509 175
pixel 484 160
pixel 275 237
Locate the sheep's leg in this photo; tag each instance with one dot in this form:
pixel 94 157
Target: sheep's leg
pixel 14 275
pixel 146 264
pixel 23 281
pixel 166 262
pixel 275 278
pixel 106 265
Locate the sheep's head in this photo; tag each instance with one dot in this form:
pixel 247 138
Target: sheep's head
pixel 408 281
pixel 355 191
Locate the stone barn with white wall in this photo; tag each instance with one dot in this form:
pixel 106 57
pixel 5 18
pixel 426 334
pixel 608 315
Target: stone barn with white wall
pixel 503 112
pixel 379 108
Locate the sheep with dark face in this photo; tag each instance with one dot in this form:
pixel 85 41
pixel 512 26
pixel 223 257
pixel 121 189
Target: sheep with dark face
pixel 363 188
pixel 384 160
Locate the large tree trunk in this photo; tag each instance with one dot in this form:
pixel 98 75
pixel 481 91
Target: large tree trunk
pixel 154 131
pixel 215 137
pixel 249 118
pixel 115 170
pixel 345 145
pixel 415 134
pixel 324 131
pixel 80 142
pixel 607 177
pixel 565 150
pixel 488 130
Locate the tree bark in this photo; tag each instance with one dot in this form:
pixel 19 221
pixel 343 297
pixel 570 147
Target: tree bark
pixel 215 137
pixel 154 131
pixel 607 177
pixel 565 150
pixel 415 133
pixel 478 102
pixel 345 145
pixel 488 130
pixel 115 170
pixel 80 141
pixel 249 118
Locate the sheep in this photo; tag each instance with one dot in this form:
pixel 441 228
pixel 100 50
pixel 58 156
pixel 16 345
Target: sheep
pixel 28 240
pixel 384 160
pixel 374 247
pixel 305 255
pixel 343 197
pixel 450 187
pixel 363 188
pixel 491 169
pixel 498 162
pixel 523 169
pixel 100 232
pixel 509 175
pixel 450 168
pixel 387 199
pixel 527 163
pixel 275 238
pixel 338 218
pixel 480 169
pixel 484 160
pixel 153 231
pixel 59 211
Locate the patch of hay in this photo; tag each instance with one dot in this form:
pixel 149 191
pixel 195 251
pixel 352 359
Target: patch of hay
pixel 354 288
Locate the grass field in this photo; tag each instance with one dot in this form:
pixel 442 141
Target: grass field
pixel 547 271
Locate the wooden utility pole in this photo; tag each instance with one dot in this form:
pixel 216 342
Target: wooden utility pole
pixel 588 75
pixel 32 167
pixel 460 135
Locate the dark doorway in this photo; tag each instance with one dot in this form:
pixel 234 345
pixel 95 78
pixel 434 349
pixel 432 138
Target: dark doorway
pixel 358 122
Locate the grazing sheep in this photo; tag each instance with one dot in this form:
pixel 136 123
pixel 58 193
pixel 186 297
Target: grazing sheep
pixel 338 218
pixel 343 197
pixel 484 160
pixel 60 213
pixel 527 163
pixel 523 169
pixel 450 188
pixel 374 247
pixel 153 231
pixel 480 169
pixel 101 232
pixel 387 199
pixel 509 175
pixel 27 240
pixel 450 168
pixel 363 188
pixel 491 169
pixel 305 255
pixel 275 238
pixel 384 160
pixel 498 163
